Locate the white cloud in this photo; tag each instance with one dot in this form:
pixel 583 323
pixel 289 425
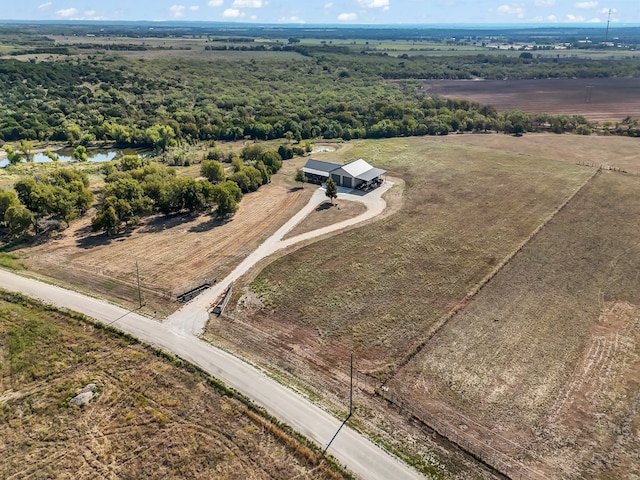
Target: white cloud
pixel 232 13
pixel 575 18
pixel 347 17
pixel 67 12
pixel 544 3
pixel 516 9
pixel 585 5
pixel 92 15
pixel 215 3
pixel 253 17
pixel 194 8
pixel 552 18
pixel 606 11
pixel 292 19
pixel 45 5
pixel 248 4
pixel 595 20
pixel 177 11
pixel 328 5
pixel 373 3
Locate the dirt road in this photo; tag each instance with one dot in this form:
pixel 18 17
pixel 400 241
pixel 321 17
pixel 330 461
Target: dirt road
pixel 176 335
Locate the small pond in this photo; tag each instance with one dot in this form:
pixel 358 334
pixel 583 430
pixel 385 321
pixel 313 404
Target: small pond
pixel 94 155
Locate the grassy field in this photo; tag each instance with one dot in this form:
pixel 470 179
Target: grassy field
pixel 149 418
pixel 547 354
pixel 378 289
pixel 327 214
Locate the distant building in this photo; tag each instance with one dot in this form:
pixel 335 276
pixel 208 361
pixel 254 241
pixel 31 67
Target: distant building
pixel 356 174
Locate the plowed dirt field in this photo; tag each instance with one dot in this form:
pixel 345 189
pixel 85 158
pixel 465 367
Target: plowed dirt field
pixel 603 99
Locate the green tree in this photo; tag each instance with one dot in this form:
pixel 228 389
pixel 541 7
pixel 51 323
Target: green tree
pixel 106 220
pixel 73 133
pixel 242 180
pixel 331 190
pixel 300 177
pixel 226 196
pixel 13 156
pixel 80 153
pixel 18 218
pixel 237 163
pixel 160 137
pixel 7 199
pixel 36 197
pixel 130 162
pixel 51 155
pixel 252 152
pixel 212 170
pixel 272 160
pixel 25 147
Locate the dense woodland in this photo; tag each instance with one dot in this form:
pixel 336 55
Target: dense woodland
pixel 285 90
pixel 302 93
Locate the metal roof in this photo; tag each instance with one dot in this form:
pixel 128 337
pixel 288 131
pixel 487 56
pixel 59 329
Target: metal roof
pixel 357 168
pixel 371 174
pixel 318 167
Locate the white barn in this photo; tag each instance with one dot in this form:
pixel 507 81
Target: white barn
pixel 356 174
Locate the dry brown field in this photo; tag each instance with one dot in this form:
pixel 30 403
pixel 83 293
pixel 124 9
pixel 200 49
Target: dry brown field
pixel 605 99
pixel 149 419
pixel 327 213
pixel 173 254
pixel 382 290
pixel 548 354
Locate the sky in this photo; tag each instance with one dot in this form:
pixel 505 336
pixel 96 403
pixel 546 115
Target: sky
pixel 330 11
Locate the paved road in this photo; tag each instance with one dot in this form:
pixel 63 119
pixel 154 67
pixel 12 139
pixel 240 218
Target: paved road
pixel 176 335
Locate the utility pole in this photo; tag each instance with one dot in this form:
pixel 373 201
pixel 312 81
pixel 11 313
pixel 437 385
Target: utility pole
pixel 350 411
pixel 139 291
pixel 351 392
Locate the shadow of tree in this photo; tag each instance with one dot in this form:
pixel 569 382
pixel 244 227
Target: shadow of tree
pixel 100 239
pixel 213 222
pixel 159 223
pixel 325 206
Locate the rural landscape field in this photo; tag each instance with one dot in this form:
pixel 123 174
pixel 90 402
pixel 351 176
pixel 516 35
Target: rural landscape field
pixel 485 325
pixel 148 418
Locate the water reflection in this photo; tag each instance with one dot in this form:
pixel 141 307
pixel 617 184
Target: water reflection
pixel 93 155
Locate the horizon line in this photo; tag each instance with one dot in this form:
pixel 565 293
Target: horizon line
pixel 332 25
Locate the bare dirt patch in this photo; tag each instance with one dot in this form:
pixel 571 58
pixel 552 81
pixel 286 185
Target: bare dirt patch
pixel 173 254
pixel 148 418
pixel 327 214
pixel 610 99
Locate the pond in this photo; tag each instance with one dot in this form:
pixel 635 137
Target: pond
pixel 95 155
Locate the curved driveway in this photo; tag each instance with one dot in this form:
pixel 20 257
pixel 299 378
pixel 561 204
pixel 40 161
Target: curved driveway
pixel 176 335
pixel 192 318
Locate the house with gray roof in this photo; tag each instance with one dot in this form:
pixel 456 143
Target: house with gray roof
pixel 356 174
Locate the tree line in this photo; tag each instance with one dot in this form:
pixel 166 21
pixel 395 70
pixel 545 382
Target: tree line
pixel 312 92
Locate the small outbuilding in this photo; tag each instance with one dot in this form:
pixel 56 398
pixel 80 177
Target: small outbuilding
pixel 357 174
